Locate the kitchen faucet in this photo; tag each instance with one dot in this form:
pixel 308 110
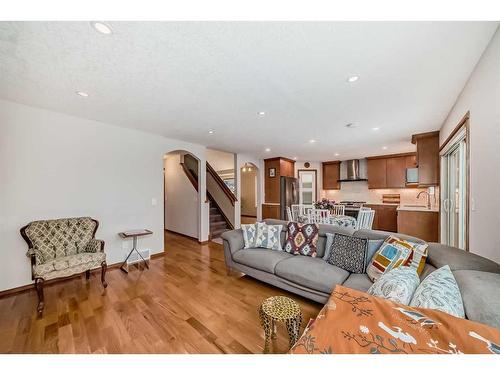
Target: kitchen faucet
pixel 428 198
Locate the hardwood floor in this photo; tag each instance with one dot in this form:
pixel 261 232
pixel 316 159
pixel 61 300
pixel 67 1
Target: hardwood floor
pixel 185 303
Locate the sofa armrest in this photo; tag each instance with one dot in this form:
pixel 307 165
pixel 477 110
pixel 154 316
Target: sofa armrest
pixel 94 246
pixel 36 258
pixel 233 240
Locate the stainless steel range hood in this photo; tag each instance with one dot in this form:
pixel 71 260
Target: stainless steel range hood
pixel 352 169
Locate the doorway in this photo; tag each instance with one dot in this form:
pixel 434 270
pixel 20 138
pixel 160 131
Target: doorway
pixel 307 186
pixel 248 177
pixel 455 179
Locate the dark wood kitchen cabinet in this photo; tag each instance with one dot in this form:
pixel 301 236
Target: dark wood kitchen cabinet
pixel 386 217
pixel 427 158
pixel 396 172
pixel 331 175
pixel 377 173
pixel 389 171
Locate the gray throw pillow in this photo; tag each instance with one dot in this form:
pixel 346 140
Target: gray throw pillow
pixel 373 246
pixel 249 234
pixel 398 285
pixel 349 253
pixel 328 245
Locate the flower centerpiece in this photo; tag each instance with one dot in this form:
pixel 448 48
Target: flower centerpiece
pixel 324 204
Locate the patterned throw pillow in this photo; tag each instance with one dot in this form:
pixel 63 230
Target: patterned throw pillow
pixel 349 253
pixel 418 256
pixel 249 234
pixel 268 236
pixel 440 291
pixel 302 239
pixel 328 245
pixel 392 254
pixel 397 285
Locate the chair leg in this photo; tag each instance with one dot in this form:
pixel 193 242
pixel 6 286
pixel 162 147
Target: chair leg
pixel 87 274
pixel 39 292
pixel 104 266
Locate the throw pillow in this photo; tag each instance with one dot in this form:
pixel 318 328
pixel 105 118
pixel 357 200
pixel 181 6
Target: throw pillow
pixel 349 253
pixel 373 246
pixel 440 291
pixel 268 236
pixel 397 285
pixel 418 256
pixel 392 254
pixel 302 239
pixel 328 245
pixel 249 234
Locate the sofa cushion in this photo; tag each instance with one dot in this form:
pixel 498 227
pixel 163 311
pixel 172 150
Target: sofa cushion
pixel 480 295
pixel 393 253
pixel 358 281
pixel 442 255
pixel 268 236
pixel 262 259
pixel 66 266
pixel 313 273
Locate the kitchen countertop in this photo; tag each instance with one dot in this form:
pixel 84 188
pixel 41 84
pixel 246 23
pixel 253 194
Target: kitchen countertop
pixel 419 209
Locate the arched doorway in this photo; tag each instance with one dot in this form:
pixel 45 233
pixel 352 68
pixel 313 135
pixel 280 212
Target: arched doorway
pixel 181 196
pixel 249 175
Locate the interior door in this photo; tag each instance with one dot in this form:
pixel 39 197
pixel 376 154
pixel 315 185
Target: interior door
pixel 454 198
pixel 307 186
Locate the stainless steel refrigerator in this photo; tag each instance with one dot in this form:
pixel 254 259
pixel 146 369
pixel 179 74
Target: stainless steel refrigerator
pixel 289 194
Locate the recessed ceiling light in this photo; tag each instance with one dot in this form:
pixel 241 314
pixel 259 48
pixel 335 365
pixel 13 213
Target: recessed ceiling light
pixel 294 158
pixel 102 28
pixel 261 113
pixel 267 150
pixel 351 125
pixel 384 148
pixel 376 128
pixel 352 79
pixel 211 132
pixel 337 154
pixel 312 141
pixel 82 94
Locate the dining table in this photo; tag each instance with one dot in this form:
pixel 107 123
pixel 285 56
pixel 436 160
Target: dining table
pixel 337 220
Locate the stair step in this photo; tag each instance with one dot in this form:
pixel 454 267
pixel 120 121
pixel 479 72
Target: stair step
pixel 215 217
pixel 221 225
pixel 217 233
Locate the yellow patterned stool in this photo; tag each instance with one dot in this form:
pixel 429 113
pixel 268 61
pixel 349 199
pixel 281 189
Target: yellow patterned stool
pixel 280 309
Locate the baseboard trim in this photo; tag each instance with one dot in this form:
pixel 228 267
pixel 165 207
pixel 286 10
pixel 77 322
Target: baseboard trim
pixel 24 288
pixel 252 216
pixel 181 234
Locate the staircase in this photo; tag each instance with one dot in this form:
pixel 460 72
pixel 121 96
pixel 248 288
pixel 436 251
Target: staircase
pixel 219 223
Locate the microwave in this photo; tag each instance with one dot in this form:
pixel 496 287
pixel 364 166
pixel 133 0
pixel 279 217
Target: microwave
pixel 412 175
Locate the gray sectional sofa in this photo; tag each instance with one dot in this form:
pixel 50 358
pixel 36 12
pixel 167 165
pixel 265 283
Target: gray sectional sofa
pixel 313 278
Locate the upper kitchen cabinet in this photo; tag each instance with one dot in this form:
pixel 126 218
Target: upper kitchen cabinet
pixel 427 158
pixel 389 171
pixel 331 175
pixel 377 173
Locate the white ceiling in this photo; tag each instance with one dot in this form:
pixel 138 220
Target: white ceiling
pixel 180 79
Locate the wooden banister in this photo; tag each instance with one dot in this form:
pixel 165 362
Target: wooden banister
pixel 194 181
pixel 221 183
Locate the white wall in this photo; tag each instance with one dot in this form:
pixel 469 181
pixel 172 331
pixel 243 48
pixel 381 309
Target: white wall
pixel 248 195
pixel 181 199
pixel 53 165
pixel 240 160
pixel 220 160
pixel 481 96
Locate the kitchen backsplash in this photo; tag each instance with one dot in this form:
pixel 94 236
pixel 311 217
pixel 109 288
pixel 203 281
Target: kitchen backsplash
pixel 358 191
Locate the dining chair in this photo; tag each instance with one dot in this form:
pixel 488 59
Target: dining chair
pixel 319 216
pixel 338 209
pixel 365 218
pixel 305 209
pixel 295 208
pixel 289 214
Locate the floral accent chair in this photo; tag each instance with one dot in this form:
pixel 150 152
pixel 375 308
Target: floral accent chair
pixel 61 248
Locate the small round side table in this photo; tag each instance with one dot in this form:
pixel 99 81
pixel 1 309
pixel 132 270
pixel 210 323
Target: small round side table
pixel 280 309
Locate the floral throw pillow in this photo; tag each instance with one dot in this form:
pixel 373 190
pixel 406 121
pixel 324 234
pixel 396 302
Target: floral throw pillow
pixel 302 239
pixel 397 285
pixel 268 236
pixel 440 291
pixel 249 234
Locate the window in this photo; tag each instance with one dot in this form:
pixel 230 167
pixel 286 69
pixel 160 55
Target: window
pixel 307 186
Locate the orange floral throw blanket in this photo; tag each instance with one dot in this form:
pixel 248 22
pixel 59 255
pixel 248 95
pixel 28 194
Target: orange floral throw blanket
pixel 356 322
